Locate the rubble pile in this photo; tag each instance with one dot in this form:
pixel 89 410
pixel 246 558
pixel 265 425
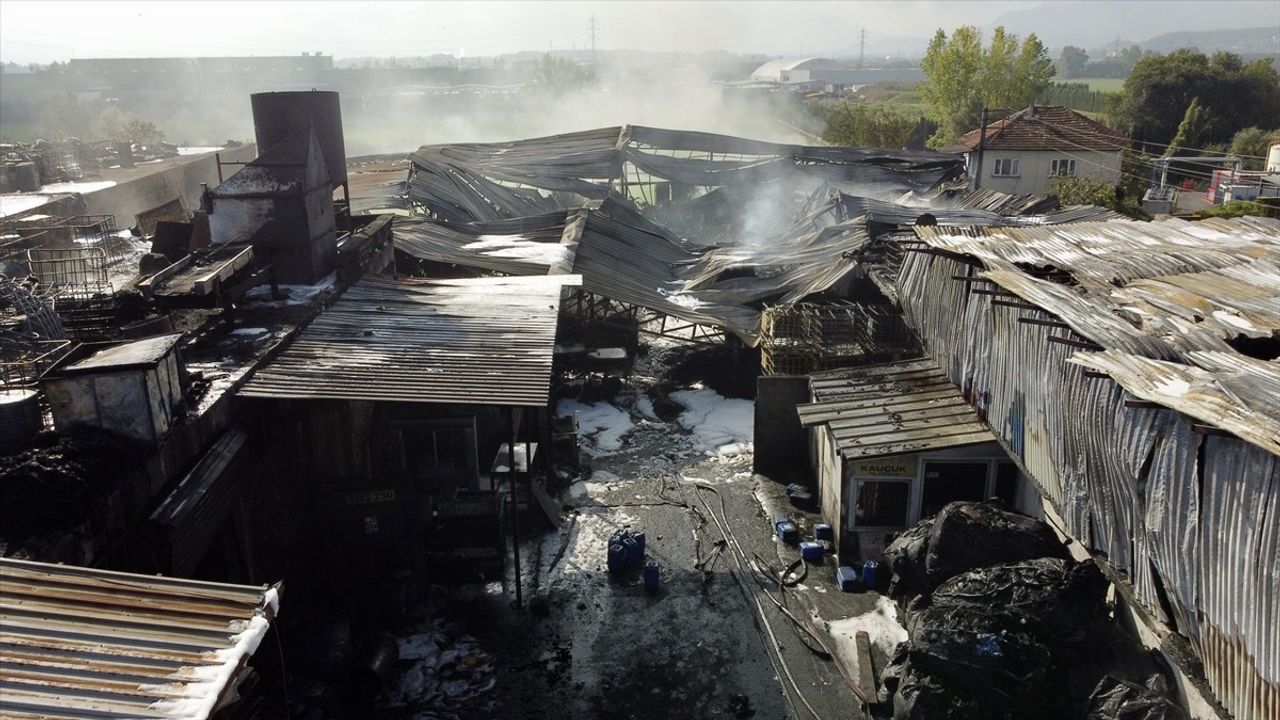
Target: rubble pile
pixel 999 618
pixel 74 159
pixel 51 485
pixel 961 537
pixel 437 671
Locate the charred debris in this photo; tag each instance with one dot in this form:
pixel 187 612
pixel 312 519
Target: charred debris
pixel 431 395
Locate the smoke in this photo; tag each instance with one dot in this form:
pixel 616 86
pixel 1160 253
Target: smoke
pixel 395 110
pixel 401 119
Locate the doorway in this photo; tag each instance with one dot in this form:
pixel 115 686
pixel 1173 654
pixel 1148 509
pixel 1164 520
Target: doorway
pixel 947 482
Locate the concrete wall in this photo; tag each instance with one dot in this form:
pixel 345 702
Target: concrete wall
pixel 829 467
pixel 181 179
pixel 779 438
pixel 1033 169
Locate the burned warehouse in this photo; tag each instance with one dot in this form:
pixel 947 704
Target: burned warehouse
pixel 631 422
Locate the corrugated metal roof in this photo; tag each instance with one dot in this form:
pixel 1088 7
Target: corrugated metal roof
pixel 1158 289
pixel 83 643
pixel 892 408
pixel 482 341
pixel 1238 394
pixel 1191 518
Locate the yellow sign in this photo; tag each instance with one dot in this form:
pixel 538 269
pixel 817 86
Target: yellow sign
pixel 371 497
pixel 886 467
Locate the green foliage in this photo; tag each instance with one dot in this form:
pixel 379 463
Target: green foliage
pixel 119 126
pixel 1191 131
pixel 1160 89
pixel 961 77
pixel 1114 66
pixel 1238 208
pixel 1091 191
pixel 1075 95
pixel 1084 191
pixel 863 125
pixel 1072 62
pixel 1252 144
pixel 556 75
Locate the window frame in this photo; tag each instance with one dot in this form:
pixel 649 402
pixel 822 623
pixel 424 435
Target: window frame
pixel 1012 165
pixel 1057 164
pixel 858 482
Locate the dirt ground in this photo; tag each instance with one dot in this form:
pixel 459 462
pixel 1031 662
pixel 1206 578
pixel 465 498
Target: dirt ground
pixel 588 645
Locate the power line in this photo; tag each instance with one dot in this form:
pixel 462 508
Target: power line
pixel 1140 161
pixel 1140 178
pixel 1083 133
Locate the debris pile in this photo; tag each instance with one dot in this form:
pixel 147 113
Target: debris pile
pixel 53 485
pixel 438 671
pixel 961 537
pixel 1001 617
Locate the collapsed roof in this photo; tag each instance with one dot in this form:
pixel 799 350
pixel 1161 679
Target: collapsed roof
pixel 1179 313
pixel 701 227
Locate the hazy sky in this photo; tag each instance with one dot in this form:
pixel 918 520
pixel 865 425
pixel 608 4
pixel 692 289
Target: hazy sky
pixel 55 30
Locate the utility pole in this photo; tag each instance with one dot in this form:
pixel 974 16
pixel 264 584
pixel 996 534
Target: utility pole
pixel 862 47
pixel 982 145
pixel 593 41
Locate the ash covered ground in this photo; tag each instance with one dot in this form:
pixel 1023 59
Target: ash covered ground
pixel 591 645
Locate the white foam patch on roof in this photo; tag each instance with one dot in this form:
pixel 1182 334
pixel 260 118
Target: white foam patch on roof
pixel 205 684
pixel 78 187
pixel 14 204
pixel 602 425
pixel 721 426
pixel 517 248
pixel 260 296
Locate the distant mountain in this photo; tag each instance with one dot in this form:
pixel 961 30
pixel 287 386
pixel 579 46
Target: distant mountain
pixel 1096 24
pixel 1247 41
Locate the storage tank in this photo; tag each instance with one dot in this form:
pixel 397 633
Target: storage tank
pixel 278 115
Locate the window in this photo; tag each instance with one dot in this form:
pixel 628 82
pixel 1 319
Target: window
pixel 882 503
pixel 1005 167
pixel 1062 168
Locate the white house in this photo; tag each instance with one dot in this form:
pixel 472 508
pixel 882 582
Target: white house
pixel 1024 152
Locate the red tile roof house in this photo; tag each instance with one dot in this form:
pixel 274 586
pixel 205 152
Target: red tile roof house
pixel 1027 150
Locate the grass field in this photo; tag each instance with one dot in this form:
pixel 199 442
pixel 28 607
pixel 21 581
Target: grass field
pixel 1098 84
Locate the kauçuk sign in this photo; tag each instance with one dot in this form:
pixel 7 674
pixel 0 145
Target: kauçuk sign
pixel 887 467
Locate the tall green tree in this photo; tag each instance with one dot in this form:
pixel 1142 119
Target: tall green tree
pixel 1072 62
pixel 1252 144
pixel 1160 88
pixel 961 77
pixel 1191 130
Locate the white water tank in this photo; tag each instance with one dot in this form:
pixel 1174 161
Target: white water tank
pixel 1273 157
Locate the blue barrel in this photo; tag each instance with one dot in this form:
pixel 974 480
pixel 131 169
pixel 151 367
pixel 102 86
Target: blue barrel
pixel 822 531
pixel 617 558
pixel 637 557
pixel 846 578
pixel 787 530
pixel 631 548
pixel 812 551
pixel 651 576
pixel 871 574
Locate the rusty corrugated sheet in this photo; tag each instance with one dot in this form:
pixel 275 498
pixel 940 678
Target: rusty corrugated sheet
pixel 483 341
pixel 1192 520
pixel 77 642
